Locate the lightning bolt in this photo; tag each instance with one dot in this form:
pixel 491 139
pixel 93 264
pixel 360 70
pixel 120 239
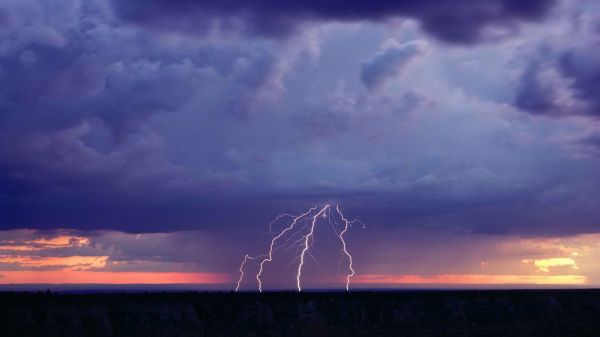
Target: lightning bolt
pixel 347 224
pixel 302 242
pixel 308 237
pixel 277 218
pixel 282 233
pixel 246 259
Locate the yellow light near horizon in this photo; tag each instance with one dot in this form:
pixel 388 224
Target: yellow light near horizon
pixel 472 279
pixel 546 264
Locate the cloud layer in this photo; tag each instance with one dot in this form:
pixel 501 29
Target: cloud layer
pixel 123 116
pixel 389 62
pixel 465 21
pixel 391 259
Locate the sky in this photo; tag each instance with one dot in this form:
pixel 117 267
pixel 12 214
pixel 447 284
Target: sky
pixel 154 141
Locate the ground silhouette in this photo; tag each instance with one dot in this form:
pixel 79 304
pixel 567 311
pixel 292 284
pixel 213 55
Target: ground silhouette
pixel 406 313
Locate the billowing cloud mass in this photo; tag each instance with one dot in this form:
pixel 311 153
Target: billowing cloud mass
pixel 389 62
pixel 161 118
pixel 563 81
pixel 465 21
pixel 105 124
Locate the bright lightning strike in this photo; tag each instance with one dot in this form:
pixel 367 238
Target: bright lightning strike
pixel 346 225
pixel 270 257
pixel 299 234
pixel 308 237
pixel 246 259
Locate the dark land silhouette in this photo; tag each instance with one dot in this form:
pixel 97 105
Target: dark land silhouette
pixel 402 313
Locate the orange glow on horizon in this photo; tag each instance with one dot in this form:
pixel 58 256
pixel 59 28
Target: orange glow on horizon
pixel 471 279
pixel 61 241
pixel 65 263
pixel 71 257
pixel 101 277
pixel 19 248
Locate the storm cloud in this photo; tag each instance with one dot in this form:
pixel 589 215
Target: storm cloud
pixel 562 76
pixel 389 62
pixel 123 116
pixel 464 21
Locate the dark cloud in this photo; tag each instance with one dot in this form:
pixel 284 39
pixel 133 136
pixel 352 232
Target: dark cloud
pixel 389 63
pixel 592 140
pixel 562 78
pixel 462 21
pixel 582 68
pixel 533 94
pixel 112 126
pixel 564 84
pixel 588 144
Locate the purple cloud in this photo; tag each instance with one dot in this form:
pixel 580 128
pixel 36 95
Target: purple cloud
pixel 463 21
pixel 110 125
pixel 389 62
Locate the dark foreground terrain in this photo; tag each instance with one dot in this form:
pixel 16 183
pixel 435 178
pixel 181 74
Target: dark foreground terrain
pixel 414 313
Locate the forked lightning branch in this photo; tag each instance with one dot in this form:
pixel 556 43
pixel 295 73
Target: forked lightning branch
pixel 300 234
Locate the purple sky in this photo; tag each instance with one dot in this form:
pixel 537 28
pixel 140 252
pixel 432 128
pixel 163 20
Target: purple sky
pixel 439 125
